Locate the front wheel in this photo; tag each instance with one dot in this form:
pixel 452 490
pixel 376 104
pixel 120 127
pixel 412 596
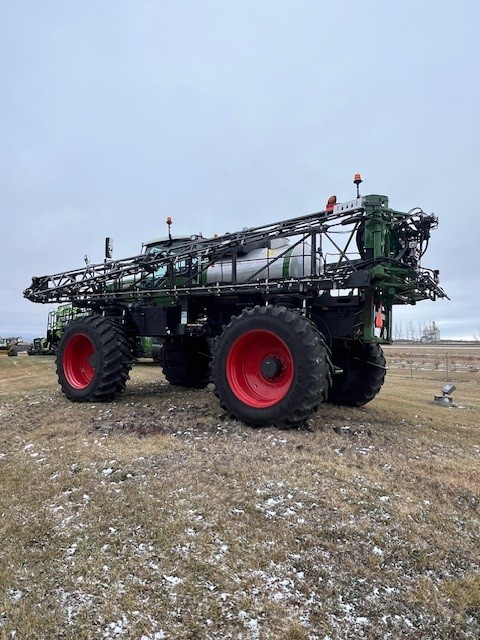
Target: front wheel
pixel 271 366
pixel 93 359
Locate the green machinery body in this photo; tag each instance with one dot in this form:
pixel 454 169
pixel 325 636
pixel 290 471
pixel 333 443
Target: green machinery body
pixel 233 308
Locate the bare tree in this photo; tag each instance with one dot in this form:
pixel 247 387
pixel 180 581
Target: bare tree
pixel 411 331
pixel 398 331
pixel 420 328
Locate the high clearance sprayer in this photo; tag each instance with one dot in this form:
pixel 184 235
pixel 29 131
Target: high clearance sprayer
pixel 280 317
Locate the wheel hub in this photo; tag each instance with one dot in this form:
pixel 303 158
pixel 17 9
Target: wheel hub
pixel 79 361
pixel 259 368
pixel 271 368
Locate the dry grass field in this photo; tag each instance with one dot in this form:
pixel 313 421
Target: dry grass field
pixel 158 516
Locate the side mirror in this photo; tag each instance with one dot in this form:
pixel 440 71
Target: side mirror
pixel 108 248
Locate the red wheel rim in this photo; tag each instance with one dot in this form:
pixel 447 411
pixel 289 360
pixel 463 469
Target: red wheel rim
pixel 79 361
pixel 259 368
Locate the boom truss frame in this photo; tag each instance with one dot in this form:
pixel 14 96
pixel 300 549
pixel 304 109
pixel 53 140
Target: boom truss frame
pixel 397 280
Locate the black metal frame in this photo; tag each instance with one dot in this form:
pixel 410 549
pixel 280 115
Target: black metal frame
pixel 122 282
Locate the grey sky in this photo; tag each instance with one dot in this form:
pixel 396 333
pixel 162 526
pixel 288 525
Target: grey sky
pixel 115 114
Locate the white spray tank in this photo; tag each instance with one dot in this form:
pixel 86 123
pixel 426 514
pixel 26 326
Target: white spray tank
pixel 261 263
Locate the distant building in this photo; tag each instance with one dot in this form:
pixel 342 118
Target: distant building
pixel 430 333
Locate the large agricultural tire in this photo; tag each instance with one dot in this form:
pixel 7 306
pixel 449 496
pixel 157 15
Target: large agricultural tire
pixel 93 359
pixel 364 370
pixel 271 366
pixel 186 362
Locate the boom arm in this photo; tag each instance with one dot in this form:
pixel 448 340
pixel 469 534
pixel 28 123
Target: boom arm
pixel 389 248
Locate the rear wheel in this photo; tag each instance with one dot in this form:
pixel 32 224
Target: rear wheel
pixel 271 366
pixel 93 359
pixel 186 362
pixel 364 370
